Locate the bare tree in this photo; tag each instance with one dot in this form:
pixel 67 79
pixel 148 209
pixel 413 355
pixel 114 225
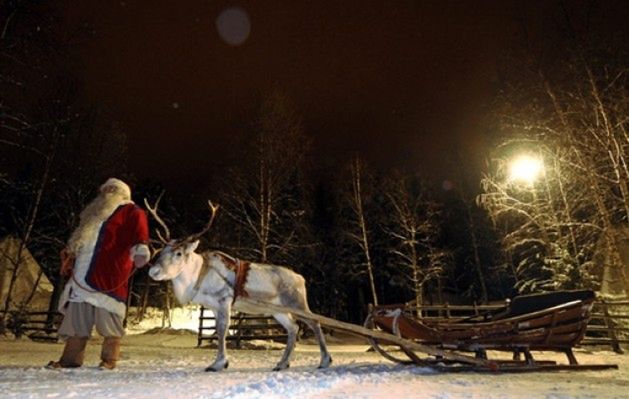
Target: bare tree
pixel 266 196
pixel 415 229
pixel 47 138
pixel 26 225
pixel 557 223
pixel 565 103
pixel 358 230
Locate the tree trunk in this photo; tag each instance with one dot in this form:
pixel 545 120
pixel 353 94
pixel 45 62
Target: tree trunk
pixel 360 214
pixel 477 261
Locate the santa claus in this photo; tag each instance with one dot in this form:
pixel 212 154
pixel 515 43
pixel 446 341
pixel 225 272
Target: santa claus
pixel 99 258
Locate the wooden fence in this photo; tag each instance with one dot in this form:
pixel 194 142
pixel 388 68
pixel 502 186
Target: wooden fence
pixel 241 328
pixel 38 326
pixel 609 324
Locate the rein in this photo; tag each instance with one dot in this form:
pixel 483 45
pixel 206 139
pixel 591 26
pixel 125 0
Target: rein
pixel 88 289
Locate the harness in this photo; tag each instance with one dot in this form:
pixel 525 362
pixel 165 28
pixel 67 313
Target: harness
pixel 239 267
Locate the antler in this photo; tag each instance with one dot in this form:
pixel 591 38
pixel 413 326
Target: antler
pixel 159 220
pixel 214 209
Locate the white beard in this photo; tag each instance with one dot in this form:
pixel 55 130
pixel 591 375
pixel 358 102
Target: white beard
pixel 91 218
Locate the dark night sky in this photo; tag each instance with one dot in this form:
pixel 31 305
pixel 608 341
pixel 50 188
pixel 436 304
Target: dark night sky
pixel 405 82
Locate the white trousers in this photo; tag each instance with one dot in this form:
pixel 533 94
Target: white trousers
pixel 81 317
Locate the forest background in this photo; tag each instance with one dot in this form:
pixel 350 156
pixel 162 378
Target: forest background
pixel 360 232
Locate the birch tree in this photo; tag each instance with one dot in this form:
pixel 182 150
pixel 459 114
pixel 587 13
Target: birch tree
pixel 415 231
pixel 266 197
pixel 356 195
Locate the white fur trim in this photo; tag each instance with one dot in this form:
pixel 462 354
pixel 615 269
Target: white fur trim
pixel 79 294
pixel 141 250
pixel 122 186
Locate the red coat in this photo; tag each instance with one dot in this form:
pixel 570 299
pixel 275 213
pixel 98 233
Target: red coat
pixel 120 237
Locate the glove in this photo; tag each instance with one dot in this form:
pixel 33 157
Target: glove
pixel 140 261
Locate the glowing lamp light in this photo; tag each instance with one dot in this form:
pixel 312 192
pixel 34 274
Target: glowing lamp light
pixel 525 169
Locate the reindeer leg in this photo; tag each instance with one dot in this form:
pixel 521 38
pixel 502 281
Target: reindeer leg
pixel 222 323
pixel 326 358
pixel 291 328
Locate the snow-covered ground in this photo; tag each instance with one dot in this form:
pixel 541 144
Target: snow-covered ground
pixel 167 364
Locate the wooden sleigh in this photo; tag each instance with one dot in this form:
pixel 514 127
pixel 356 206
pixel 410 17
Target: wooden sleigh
pixel 542 322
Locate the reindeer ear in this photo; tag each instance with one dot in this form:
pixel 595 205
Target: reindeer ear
pixel 192 246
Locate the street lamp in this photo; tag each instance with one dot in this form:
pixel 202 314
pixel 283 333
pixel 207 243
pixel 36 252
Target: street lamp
pixel 525 169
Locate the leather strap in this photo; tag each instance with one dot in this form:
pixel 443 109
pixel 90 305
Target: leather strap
pixel 242 271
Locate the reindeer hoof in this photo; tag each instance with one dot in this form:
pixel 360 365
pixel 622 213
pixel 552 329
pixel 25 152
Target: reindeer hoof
pixel 280 368
pixel 325 364
pixel 213 368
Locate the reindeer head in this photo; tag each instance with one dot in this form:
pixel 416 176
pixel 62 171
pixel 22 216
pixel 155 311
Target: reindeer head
pixel 175 255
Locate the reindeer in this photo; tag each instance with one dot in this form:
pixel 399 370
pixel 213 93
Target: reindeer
pixel 221 282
